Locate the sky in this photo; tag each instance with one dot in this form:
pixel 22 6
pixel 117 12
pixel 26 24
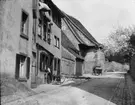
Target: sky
pixel 100 17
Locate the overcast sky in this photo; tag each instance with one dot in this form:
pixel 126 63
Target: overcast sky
pixel 100 17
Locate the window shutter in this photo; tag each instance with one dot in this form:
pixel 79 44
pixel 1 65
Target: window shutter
pixel 28 67
pixel 40 62
pixel 56 65
pixel 17 66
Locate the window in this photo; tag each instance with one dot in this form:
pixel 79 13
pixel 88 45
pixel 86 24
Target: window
pixel 57 65
pixel 45 31
pixel 49 38
pixel 44 28
pixel 43 62
pixel 22 67
pixel 49 34
pixel 40 28
pixel 49 28
pixel 24 24
pixel 57 42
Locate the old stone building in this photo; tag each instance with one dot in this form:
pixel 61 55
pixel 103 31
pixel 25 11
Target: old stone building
pixel 16 39
pixel 30 40
pixel 82 44
pixel 48 41
pixel 39 41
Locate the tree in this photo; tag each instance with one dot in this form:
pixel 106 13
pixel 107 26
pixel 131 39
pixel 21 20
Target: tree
pixel 120 43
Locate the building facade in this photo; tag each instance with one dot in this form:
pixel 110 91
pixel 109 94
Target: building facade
pixel 82 43
pixel 39 41
pixel 30 40
pixel 47 42
pixel 16 39
pixel 71 44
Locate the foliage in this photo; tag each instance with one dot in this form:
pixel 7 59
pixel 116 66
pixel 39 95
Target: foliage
pixel 120 44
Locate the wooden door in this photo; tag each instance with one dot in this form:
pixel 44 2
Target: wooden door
pixel 78 68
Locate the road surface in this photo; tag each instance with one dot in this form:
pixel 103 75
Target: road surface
pixel 97 91
pixel 110 89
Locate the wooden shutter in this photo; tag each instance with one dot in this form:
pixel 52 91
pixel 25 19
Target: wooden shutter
pixel 55 64
pixel 28 68
pixel 58 64
pixel 17 66
pixel 40 62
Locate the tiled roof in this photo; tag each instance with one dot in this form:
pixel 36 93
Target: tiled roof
pixel 77 23
pixel 86 33
pixel 66 55
pixel 66 43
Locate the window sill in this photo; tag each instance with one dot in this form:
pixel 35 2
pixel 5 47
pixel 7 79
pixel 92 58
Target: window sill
pixel 22 79
pixel 57 47
pixel 24 36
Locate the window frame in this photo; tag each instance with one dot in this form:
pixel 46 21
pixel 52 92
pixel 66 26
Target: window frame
pixel 44 59
pixel 49 38
pixel 57 42
pixel 45 31
pixel 22 34
pixel 40 28
pixel 57 63
pixel 18 72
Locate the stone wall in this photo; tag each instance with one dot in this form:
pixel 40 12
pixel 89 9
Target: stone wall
pixel 89 62
pixel 93 58
pixel 68 62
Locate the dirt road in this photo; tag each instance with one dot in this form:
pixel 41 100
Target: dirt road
pixel 97 91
